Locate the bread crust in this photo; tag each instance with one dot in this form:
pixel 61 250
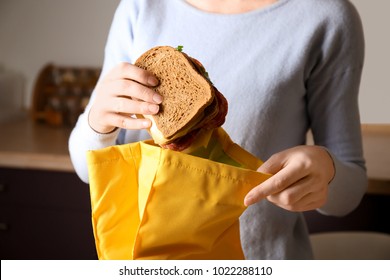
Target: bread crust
pixel 185 92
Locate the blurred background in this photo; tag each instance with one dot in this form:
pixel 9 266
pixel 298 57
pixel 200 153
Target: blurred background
pixel 73 33
pixel 51 52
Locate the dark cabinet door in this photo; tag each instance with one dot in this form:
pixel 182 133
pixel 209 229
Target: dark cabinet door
pixel 44 215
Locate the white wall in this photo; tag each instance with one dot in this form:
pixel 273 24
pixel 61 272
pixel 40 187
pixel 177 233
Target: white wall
pixel 65 32
pixel 375 88
pixel 73 32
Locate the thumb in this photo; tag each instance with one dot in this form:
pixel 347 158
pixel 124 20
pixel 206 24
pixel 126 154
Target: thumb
pixel 273 165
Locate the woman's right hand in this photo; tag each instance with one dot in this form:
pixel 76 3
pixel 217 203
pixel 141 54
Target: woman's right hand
pixel 125 91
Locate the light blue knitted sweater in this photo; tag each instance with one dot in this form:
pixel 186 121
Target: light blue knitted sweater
pixel 293 66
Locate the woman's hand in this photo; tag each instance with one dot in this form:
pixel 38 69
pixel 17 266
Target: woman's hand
pixel 122 93
pixel 300 181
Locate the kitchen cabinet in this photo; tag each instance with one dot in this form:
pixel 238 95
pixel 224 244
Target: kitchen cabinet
pixel 370 216
pixel 44 215
pixel 45 210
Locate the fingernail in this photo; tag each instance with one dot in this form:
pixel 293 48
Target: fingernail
pixel 152 81
pixel 153 108
pixel 146 123
pixel 248 200
pixel 157 98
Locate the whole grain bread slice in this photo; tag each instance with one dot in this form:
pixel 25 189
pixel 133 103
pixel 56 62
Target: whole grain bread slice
pixel 185 92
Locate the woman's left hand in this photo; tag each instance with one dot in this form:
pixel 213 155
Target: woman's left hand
pixel 300 180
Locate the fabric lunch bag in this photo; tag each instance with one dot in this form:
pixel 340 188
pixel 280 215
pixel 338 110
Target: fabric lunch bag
pixel 154 203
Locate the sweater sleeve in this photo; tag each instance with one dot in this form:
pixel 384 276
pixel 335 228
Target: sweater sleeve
pixel 336 126
pixel 332 97
pixel 84 138
pixel 118 46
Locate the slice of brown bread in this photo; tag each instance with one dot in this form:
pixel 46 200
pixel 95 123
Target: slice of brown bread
pixel 185 92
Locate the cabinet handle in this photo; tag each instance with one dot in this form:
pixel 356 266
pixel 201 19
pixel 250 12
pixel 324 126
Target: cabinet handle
pixel 3 226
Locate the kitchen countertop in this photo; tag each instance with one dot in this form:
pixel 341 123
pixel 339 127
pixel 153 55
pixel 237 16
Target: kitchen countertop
pixel 376 147
pixel 29 145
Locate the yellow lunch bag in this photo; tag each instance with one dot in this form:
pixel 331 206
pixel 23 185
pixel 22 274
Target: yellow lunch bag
pixel 154 203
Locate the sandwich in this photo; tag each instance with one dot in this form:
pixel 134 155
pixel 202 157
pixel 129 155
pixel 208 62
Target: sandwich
pixel 191 103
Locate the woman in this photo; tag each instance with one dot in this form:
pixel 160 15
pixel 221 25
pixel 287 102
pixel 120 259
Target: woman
pixel 285 67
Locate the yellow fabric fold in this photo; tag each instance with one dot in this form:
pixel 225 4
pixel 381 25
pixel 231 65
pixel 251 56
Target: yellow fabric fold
pixel 154 203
